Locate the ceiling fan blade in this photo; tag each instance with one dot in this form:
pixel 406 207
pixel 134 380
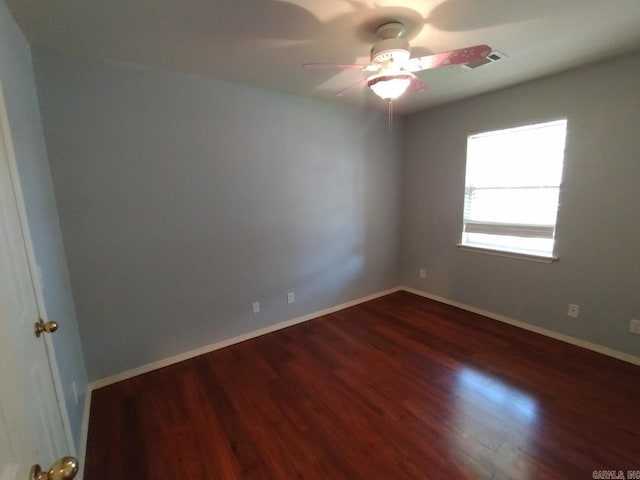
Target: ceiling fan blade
pixel 453 57
pixel 342 66
pixel 417 85
pixel 358 84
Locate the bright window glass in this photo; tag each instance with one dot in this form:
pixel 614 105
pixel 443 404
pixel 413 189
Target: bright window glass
pixel 512 187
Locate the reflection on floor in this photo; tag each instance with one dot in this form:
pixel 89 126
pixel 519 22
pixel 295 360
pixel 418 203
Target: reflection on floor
pixel 398 388
pixel 492 413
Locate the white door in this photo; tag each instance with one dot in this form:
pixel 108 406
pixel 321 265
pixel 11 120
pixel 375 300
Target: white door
pixel 31 428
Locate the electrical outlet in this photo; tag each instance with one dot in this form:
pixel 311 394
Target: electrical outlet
pixel 291 297
pixel 573 310
pixel 422 273
pixel 256 307
pixel 634 326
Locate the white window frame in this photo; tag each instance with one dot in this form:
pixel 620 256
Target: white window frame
pixel 511 230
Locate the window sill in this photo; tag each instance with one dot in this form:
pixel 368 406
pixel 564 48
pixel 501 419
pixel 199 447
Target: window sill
pixel 509 254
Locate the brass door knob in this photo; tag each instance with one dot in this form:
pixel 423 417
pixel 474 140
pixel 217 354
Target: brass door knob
pixel 42 326
pixel 64 469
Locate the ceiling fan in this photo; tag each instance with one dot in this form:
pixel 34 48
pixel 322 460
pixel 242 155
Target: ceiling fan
pixel 393 69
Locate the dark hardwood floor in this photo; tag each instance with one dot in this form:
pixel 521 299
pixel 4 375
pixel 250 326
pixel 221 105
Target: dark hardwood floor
pixel 397 388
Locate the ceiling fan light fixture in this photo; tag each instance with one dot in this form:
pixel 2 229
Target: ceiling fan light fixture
pixel 395 68
pixel 389 87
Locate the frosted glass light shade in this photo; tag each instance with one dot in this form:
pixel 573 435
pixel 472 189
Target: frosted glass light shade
pixel 389 87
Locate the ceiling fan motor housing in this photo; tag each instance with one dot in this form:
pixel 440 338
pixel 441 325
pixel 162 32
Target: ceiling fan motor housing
pixel 390 49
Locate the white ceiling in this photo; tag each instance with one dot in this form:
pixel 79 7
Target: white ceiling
pixel 264 42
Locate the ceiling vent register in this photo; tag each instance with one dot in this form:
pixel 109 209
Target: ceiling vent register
pixel 491 58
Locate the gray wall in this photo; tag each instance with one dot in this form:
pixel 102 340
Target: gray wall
pixel 183 200
pixel 28 142
pixel 598 230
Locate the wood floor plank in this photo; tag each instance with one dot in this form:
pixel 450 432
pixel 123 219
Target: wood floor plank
pixel 400 387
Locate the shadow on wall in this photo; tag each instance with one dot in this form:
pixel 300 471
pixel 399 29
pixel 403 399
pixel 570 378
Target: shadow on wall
pixel 347 204
pixel 217 31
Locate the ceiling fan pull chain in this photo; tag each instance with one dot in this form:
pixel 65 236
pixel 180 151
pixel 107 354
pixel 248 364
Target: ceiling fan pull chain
pixel 390 102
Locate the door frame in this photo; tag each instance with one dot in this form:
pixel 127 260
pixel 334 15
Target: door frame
pixel 5 131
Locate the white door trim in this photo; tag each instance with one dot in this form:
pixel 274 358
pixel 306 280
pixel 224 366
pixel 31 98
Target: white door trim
pixel 5 131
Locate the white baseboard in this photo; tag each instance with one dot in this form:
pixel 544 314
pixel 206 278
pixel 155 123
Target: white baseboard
pixel 626 357
pixel 272 328
pixel 103 382
pixel 278 326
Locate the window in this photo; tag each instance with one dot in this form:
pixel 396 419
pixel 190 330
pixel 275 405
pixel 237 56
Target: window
pixel 511 189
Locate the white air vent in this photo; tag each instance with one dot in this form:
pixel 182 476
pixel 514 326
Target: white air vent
pixel 492 57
